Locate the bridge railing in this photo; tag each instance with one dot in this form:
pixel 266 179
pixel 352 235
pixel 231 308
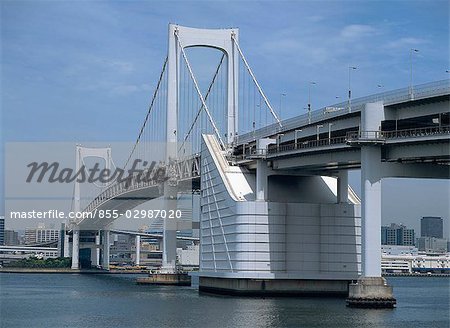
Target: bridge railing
pixel 126 185
pixel 355 137
pixel 307 144
pixel 417 132
pixel 396 134
pixel 432 89
pixel 185 168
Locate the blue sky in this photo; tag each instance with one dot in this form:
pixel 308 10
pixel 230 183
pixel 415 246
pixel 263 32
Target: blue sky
pixel 85 71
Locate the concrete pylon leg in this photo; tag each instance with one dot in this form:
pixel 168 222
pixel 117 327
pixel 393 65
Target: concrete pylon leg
pixel 169 241
pixel 342 187
pixel 371 290
pixel 105 241
pixel 76 249
pixel 138 250
pixel 97 249
pixel 66 245
pixel 371 210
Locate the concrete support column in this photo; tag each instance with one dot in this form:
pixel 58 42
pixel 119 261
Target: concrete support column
pixel 76 249
pixel 66 249
pixel 261 180
pixel 371 117
pixel 371 290
pixel 138 250
pixel 371 210
pixel 342 187
pixel 97 249
pixel 105 241
pixel 169 246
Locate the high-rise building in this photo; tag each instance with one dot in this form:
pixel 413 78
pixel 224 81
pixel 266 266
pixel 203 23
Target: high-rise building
pixel 397 234
pixel 2 230
pixel 432 226
pixel 11 238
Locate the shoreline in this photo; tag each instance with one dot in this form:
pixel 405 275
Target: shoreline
pixel 97 271
pixel 70 271
pixel 442 275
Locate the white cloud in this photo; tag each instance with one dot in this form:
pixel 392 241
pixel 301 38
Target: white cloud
pixel 119 66
pixel 356 31
pixel 405 42
pixel 127 89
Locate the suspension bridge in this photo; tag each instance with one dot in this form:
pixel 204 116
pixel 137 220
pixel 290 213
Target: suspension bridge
pixel 276 212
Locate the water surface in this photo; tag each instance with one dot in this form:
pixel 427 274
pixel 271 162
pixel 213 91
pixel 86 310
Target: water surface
pixel 74 300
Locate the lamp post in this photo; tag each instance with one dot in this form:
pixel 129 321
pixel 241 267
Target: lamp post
pixel 329 132
pixel 309 100
pixel 350 69
pixel 411 90
pixel 380 86
pixel 295 136
pixel 317 131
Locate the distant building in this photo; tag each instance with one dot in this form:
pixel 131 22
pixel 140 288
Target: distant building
pixel 397 234
pixel 415 263
pixel 399 250
pixel 189 256
pixel 2 230
pixel 11 238
pixel 431 226
pixel 431 245
pixel 122 248
pixel 40 235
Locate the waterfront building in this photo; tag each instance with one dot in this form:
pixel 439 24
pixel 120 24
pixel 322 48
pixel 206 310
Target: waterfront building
pixel 41 234
pixel 2 230
pixel 431 226
pixel 189 256
pixel 122 248
pixel 397 234
pixel 432 245
pixel 415 263
pixel 399 250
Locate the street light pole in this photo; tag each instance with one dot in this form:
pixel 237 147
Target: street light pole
pixel 295 136
pixel 309 100
pixel 317 132
pixel 350 68
pixel 411 92
pixel 329 132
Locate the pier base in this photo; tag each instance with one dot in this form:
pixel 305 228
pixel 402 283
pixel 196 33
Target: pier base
pixel 175 279
pixel 371 292
pixel 273 287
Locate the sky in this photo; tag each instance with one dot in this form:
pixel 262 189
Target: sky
pixel 79 71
